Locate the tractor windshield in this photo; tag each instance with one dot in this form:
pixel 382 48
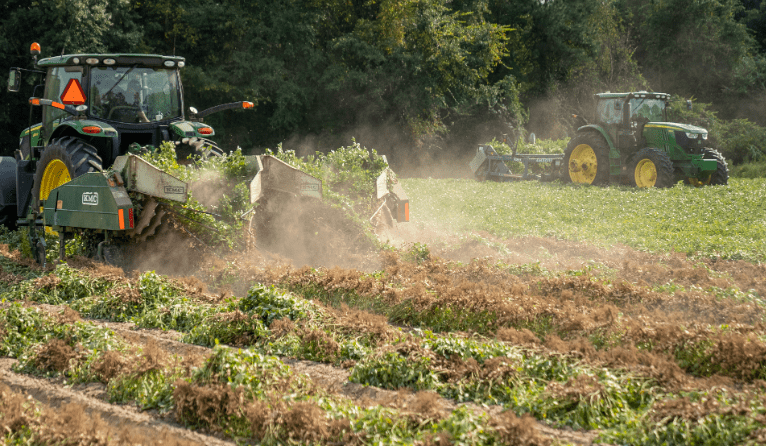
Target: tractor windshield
pixel 134 94
pixel 650 109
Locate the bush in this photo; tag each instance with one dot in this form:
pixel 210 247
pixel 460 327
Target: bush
pixel 749 170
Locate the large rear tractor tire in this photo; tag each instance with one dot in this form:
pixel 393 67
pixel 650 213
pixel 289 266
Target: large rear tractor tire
pixel 718 178
pixel 64 159
pixel 651 167
pixel 201 147
pixel 586 160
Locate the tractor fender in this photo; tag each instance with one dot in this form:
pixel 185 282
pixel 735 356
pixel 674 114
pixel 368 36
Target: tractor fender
pixel 78 125
pixel 188 129
pixel 7 181
pixel 75 128
pixel 613 152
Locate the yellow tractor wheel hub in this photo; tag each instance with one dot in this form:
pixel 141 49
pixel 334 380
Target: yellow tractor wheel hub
pixel 55 174
pixel 583 164
pixel 646 173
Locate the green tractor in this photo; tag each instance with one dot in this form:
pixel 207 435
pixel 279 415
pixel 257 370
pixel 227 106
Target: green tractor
pixel 98 112
pixel 632 142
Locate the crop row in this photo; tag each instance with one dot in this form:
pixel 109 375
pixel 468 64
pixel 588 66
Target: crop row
pixel 552 387
pixel 240 392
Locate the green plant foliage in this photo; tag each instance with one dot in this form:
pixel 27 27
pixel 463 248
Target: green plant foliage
pixel 720 427
pixel 394 371
pixel 21 328
pixel 150 390
pixel 237 329
pixel 154 304
pixel 711 221
pixel 450 345
pixel 271 304
pixel 256 372
pixel 749 170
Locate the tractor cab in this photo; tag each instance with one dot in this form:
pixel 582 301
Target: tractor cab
pixel 113 102
pixel 117 99
pixel 623 116
pixel 94 109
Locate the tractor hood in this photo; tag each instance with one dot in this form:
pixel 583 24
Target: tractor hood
pixel 673 127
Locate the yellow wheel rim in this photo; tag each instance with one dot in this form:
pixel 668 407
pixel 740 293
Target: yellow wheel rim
pixel 583 164
pixel 646 173
pixel 55 174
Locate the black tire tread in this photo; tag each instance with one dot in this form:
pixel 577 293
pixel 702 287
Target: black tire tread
pixel 721 175
pixel 79 157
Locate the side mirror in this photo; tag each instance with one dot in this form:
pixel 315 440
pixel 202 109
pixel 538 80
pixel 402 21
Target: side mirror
pixel 689 104
pixel 14 80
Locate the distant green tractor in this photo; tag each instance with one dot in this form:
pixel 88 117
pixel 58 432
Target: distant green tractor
pixel 632 142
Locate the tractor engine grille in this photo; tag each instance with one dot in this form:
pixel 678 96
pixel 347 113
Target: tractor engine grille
pixel 690 145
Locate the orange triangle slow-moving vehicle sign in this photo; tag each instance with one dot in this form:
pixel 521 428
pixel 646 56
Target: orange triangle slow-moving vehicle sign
pixel 73 94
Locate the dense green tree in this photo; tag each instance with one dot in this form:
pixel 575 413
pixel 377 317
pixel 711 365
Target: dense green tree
pixel 694 47
pixel 416 73
pixel 69 26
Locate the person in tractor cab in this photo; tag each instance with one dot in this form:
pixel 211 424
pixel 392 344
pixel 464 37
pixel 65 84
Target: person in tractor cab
pixel 133 98
pixel 121 105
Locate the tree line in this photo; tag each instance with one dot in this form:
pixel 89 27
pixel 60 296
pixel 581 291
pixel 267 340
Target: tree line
pixel 415 78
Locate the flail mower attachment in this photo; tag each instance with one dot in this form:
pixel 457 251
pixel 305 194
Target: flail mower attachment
pixel 489 165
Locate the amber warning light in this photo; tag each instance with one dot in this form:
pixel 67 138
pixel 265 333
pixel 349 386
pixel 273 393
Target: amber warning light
pixel 73 94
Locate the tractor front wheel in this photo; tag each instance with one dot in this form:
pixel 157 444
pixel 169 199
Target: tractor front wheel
pixel 719 177
pixel 651 167
pixel 64 159
pixel 587 159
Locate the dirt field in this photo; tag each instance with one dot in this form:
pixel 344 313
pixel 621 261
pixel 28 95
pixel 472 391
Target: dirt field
pixel 689 330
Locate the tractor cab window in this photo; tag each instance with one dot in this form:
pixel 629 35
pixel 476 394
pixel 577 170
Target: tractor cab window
pixel 651 109
pixel 57 80
pixel 134 94
pixel 609 111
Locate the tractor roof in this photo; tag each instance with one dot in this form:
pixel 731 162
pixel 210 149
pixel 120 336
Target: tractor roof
pixel 112 59
pixel 636 94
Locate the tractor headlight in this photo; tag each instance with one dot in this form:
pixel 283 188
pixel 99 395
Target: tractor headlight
pixel 702 136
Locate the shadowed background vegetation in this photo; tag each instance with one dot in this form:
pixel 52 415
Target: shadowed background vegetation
pixel 421 81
